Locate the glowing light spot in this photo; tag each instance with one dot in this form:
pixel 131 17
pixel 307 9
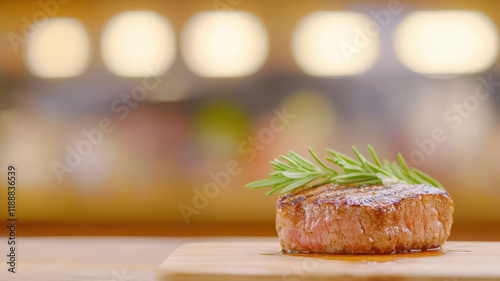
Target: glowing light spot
pixel 236 45
pixel 447 42
pixel 327 43
pixel 138 43
pixel 59 49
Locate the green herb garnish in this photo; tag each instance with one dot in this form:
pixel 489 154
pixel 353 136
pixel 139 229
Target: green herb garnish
pixel 296 171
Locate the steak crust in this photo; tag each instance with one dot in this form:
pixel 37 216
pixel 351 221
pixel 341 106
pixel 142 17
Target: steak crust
pixel 364 220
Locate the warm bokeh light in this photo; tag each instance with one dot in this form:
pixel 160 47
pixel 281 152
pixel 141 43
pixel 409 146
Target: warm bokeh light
pixel 317 118
pixel 30 143
pixel 327 43
pixel 138 43
pixel 220 126
pixel 232 46
pixel 170 92
pixel 447 42
pixel 60 48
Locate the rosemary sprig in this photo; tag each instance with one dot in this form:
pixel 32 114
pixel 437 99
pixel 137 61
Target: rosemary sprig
pixel 294 174
pixel 296 171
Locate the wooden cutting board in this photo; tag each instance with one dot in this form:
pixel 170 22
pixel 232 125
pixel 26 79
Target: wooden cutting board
pixel 238 261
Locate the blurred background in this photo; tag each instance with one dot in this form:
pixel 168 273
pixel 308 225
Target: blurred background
pixel 149 117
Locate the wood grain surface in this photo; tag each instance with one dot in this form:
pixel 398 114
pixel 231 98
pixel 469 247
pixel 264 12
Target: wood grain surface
pixel 95 258
pixel 262 261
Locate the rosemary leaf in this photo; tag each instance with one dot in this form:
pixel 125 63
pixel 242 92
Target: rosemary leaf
pixel 293 171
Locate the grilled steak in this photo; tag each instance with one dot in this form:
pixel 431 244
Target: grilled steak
pixel 361 220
